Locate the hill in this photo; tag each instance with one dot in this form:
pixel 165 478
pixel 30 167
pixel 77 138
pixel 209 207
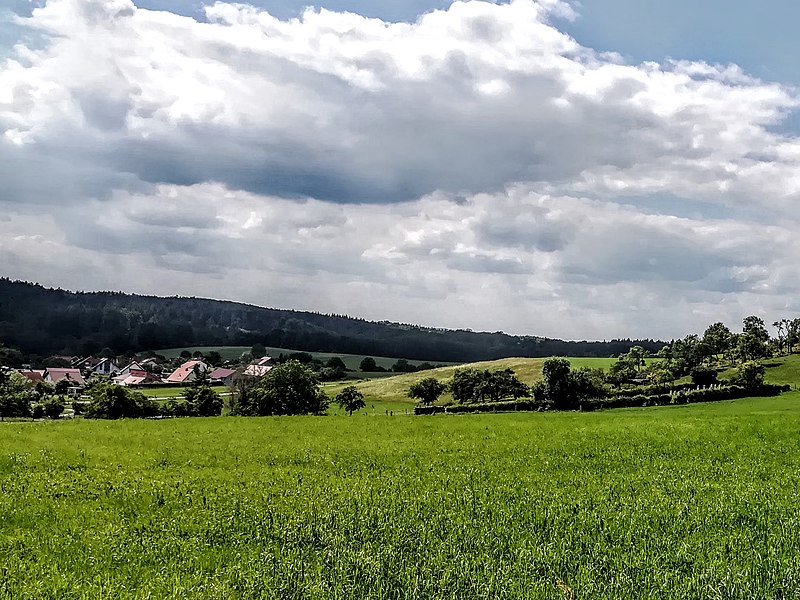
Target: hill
pixel 43 321
pixel 395 388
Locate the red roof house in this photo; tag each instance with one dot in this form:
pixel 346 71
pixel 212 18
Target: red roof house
pixel 187 372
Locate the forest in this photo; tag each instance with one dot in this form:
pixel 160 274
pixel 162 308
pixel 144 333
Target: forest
pixel 41 321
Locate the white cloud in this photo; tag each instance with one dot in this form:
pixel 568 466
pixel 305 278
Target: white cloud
pixel 476 168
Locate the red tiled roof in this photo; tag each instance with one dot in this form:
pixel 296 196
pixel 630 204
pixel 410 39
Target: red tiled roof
pixel 33 375
pixel 56 375
pixel 221 373
pixel 180 374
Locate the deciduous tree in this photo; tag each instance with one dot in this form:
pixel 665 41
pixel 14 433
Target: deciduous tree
pixel 350 399
pixel 427 390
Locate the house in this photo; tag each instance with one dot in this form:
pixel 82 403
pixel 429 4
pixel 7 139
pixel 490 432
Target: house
pixel 86 363
pixel 259 367
pixel 136 377
pixel 222 376
pixel 106 366
pixel 187 372
pixel 54 375
pixel 34 375
pixel 132 366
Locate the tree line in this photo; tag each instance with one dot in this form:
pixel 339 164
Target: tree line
pixel 39 321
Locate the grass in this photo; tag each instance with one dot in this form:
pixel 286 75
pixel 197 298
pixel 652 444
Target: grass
pixel 173 392
pixel 695 501
pixel 395 388
pixel 683 502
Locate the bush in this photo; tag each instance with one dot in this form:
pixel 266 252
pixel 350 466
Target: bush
pixel 749 375
pixel 288 389
pixel 111 401
pixel 704 376
pixel 52 406
pixel 202 401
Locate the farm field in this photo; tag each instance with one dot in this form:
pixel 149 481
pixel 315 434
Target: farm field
pixel 695 501
pixel 351 360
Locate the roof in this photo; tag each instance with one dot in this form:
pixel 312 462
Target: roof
pixel 183 372
pixel 133 365
pixel 137 377
pixel 55 375
pixel 264 360
pixel 32 374
pixel 89 361
pixel 257 370
pixel 221 373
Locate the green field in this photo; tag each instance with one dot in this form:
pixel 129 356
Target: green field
pixel 395 388
pixel 352 361
pixel 693 501
pixel 696 501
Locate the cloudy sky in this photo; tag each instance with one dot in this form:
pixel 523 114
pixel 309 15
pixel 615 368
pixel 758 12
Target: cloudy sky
pixel 594 170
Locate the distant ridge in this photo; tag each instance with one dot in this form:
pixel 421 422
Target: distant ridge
pixel 44 321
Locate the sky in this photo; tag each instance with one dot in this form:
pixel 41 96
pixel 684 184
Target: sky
pixel 588 170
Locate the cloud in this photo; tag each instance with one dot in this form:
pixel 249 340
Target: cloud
pixel 341 107
pixel 475 168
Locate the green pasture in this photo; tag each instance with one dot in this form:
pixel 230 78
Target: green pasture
pixel 395 388
pixel 696 501
pixel 159 392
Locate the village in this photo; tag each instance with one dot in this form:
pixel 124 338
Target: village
pixel 155 371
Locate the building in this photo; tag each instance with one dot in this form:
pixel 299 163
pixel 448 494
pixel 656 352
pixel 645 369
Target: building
pixel 259 367
pixel 187 372
pixel 135 377
pixel 34 375
pixel 222 376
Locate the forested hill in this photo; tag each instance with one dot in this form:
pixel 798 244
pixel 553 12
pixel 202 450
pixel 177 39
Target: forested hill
pixel 44 321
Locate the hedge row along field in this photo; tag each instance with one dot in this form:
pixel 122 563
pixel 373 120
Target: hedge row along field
pixel 695 501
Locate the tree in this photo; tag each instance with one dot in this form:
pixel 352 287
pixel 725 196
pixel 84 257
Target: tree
pixel 792 335
pixel 288 389
pixel 203 401
pixel 750 347
pixel 717 338
pixel 703 375
pixel 403 366
pixel 185 354
pixel 498 385
pixel 16 393
pixel 334 362
pixel 213 358
pixel 110 401
pixel 52 407
pixel 368 365
pixel 620 372
pixel 427 390
pixel 350 399
pixel 749 375
pixel 464 384
pixel 636 356
pixel 258 351
pixel 754 326
pixel 564 388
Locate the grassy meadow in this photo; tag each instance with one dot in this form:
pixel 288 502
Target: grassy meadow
pixel 692 501
pixel 395 388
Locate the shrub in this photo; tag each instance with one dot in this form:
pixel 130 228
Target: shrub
pixel 288 389
pixel 111 401
pixel 52 406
